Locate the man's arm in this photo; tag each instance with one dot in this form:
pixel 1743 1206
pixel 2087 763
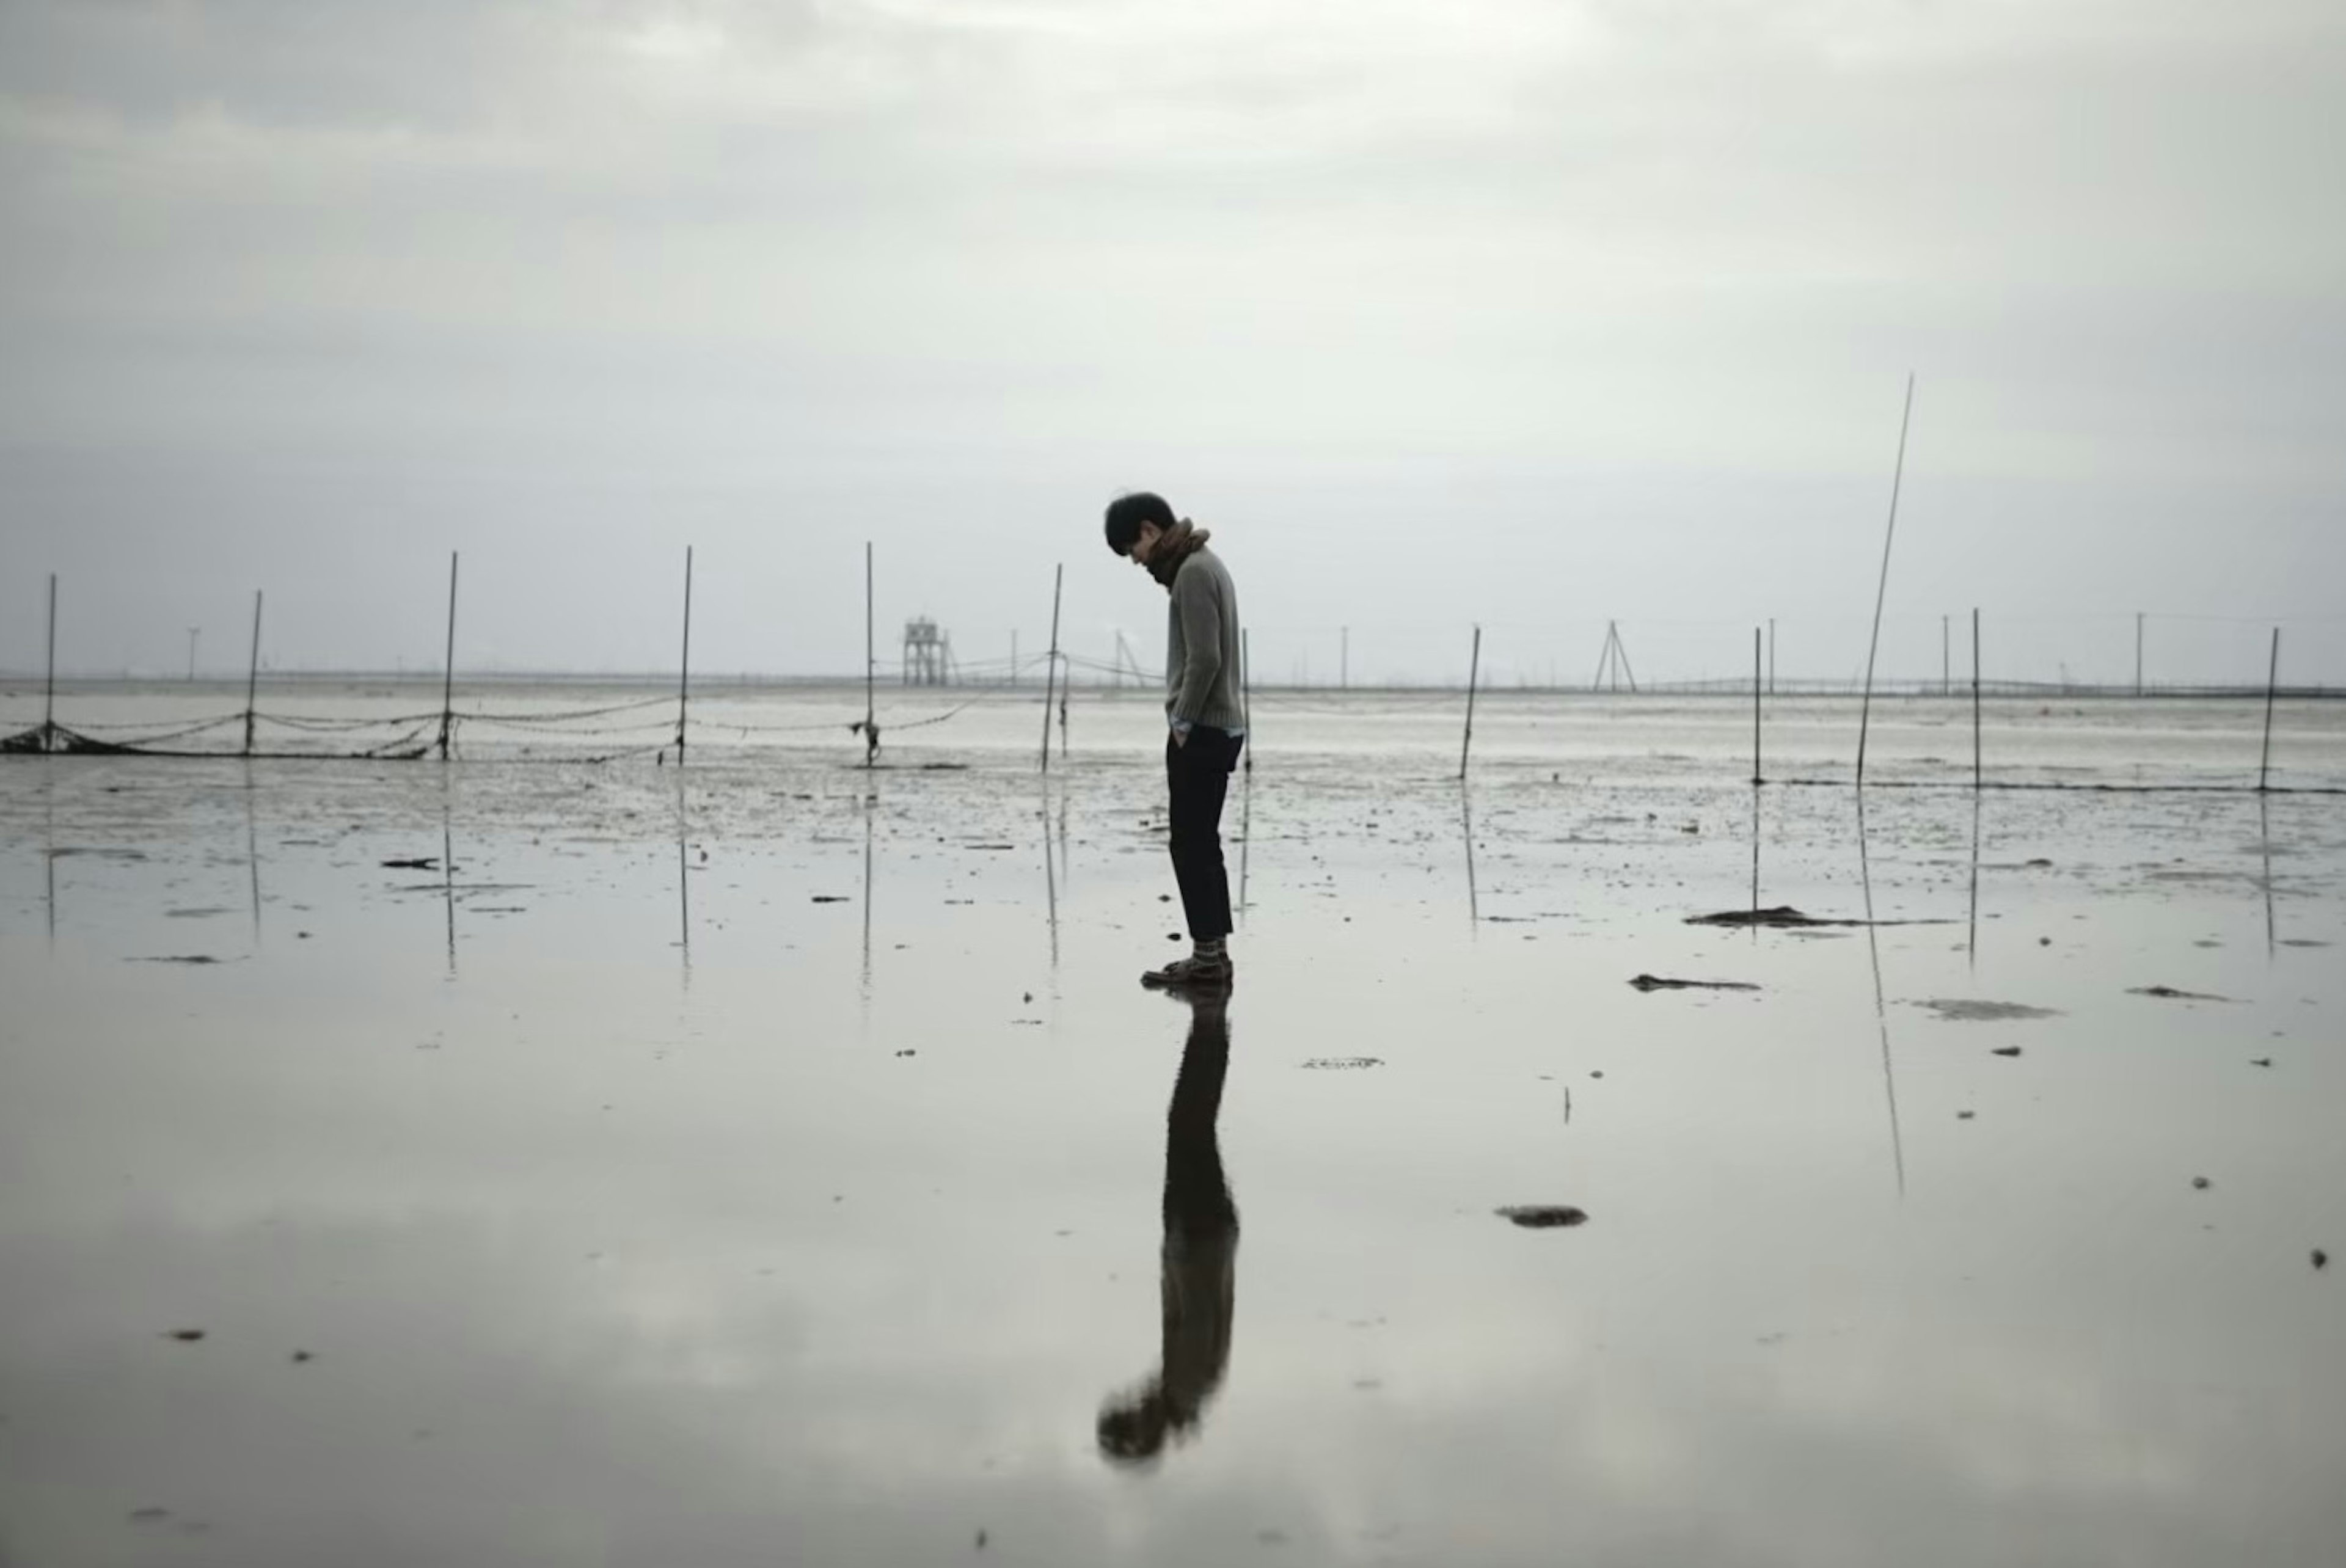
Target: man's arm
pixel 1201 636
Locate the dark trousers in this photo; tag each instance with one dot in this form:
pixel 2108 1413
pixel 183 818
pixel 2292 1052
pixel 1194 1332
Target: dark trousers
pixel 1197 775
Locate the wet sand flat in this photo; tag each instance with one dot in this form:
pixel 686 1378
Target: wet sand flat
pixel 766 1164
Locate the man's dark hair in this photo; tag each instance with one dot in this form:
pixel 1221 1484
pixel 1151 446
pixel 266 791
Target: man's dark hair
pixel 1125 514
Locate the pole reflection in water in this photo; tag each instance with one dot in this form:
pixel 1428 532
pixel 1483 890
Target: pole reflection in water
pixel 49 842
pixel 2264 840
pixel 683 882
pixel 1466 821
pixel 448 874
pixel 1880 1011
pixel 1050 877
pixel 1198 1279
pixel 1246 830
pixel 1970 942
pixel 869 802
pixel 252 851
pixel 1755 862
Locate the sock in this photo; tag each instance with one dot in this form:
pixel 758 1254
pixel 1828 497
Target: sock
pixel 1207 949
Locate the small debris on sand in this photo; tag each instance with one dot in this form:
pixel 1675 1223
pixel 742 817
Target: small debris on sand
pixel 1542 1215
pixel 1172 936
pixel 2260 1061
pixel 413 863
pixel 2320 1258
pixel 302 1356
pixel 2200 1184
pixel 181 958
pixel 186 1335
pixel 829 898
pixel 1972 1010
pixel 2005 1051
pixel 908 1050
pixel 2170 994
pixel 149 1515
pixel 1965 1115
pixel 1342 1063
pixel 1656 982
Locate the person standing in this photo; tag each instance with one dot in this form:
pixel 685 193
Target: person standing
pixel 1206 724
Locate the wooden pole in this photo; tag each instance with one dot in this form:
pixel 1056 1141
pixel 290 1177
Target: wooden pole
pixel 684 662
pixel 1755 705
pixel 50 696
pixel 1474 670
pixel 252 672
pixel 1051 662
pixel 1975 701
pixel 1882 589
pixel 871 716
pixel 448 665
pixel 1246 695
pixel 2272 677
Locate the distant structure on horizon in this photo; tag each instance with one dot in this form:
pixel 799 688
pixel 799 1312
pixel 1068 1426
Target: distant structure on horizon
pixel 928 653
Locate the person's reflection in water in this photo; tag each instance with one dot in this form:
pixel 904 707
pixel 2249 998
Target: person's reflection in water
pixel 1201 1255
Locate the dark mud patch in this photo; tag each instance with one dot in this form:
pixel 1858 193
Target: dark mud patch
pixel 70 850
pixel 412 863
pixel 1542 1215
pixel 829 898
pixel 1785 917
pixel 2169 994
pixel 181 958
pixel 1973 1010
pixel 2302 942
pixel 197 913
pixel 1341 1064
pixel 1657 982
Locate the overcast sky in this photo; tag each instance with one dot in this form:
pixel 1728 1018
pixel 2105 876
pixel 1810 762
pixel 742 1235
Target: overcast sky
pixel 1533 313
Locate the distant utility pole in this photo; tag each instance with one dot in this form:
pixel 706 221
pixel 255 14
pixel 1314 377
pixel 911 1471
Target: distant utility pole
pixel 193 632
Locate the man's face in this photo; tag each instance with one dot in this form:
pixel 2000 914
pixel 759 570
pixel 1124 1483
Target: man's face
pixel 1141 547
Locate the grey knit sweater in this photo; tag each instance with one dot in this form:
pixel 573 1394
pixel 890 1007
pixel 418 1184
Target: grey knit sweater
pixel 1201 645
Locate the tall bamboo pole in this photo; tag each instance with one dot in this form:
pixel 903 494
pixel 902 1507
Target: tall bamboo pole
pixel 684 661
pixel 252 672
pixel 1473 671
pixel 1246 694
pixel 1976 771
pixel 2272 679
pixel 871 700
pixel 1051 661
pixel 448 665
pixel 1755 705
pixel 49 692
pixel 1882 589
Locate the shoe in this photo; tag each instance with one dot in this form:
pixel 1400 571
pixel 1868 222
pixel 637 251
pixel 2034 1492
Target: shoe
pixel 1192 973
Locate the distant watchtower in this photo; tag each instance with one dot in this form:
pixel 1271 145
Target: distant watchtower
pixel 928 653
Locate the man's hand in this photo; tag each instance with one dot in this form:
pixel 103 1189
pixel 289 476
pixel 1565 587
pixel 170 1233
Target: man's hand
pixel 1181 738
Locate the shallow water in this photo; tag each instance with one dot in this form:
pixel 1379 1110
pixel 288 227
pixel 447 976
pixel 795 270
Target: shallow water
pixel 632 1205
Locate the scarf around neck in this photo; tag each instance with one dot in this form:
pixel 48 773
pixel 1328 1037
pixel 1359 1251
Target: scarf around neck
pixel 1173 547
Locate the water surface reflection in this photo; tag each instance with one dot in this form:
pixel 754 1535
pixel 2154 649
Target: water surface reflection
pixel 1199 1277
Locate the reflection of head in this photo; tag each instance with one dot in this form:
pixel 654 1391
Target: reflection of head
pixel 1133 1428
